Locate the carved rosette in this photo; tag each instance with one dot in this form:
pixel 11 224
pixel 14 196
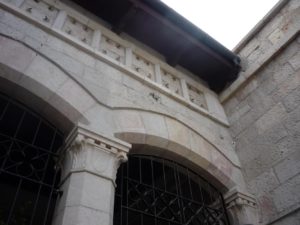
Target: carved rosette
pixel 87 151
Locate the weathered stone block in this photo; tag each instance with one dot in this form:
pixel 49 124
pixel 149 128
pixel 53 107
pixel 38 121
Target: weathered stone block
pixel 275 134
pixel 46 73
pixel 70 91
pixel 65 48
pixel 287 195
pixel 178 133
pixel 292 100
pixel 11 32
pixel 271 118
pixel 155 125
pixel 68 63
pixel 295 61
pixel 275 36
pixel 283 72
pixel 264 183
pixel 289 167
pixel 286 87
pixel 15 54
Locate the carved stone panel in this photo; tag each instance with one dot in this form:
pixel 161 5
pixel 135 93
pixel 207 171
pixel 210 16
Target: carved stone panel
pixel 112 49
pixel 143 66
pixel 196 96
pixel 171 82
pixel 78 30
pixel 41 11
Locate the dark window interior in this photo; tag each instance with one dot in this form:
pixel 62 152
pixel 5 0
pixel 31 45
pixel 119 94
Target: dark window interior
pixel 28 176
pixel 156 191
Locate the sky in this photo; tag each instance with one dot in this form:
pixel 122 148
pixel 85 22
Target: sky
pixel 227 21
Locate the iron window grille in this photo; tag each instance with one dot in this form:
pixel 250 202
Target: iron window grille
pixel 28 173
pixel 156 191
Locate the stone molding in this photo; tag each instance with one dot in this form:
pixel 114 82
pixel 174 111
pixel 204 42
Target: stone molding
pixel 87 151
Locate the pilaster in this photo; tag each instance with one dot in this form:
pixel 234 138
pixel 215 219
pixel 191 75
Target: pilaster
pixel 89 166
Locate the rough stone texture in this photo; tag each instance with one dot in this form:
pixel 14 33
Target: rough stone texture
pixel 107 95
pixel 91 87
pixel 264 116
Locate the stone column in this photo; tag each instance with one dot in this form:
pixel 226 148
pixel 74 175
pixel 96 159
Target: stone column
pixel 242 208
pixel 89 168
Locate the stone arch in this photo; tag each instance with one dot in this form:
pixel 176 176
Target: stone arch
pixel 156 134
pixel 41 84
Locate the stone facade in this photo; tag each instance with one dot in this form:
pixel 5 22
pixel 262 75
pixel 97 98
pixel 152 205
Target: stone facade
pixel 264 116
pixel 77 73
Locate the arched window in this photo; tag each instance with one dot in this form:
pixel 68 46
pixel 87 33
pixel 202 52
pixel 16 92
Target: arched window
pixel 28 176
pixel 156 191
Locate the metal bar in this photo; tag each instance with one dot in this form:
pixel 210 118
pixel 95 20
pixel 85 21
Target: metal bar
pixel 14 202
pixel 152 197
pixel 121 191
pixel 4 111
pixel 10 147
pixel 36 132
pixel 49 200
pixel 36 178
pixel 224 210
pixel 153 187
pixel 44 174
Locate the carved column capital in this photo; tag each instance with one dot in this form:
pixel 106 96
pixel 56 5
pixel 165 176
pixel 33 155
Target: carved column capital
pixel 240 199
pixel 88 151
pixel 242 207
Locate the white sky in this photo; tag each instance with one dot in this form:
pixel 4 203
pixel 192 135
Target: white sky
pixel 227 21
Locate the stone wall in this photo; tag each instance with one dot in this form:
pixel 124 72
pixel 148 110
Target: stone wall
pixel 263 108
pixel 98 80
